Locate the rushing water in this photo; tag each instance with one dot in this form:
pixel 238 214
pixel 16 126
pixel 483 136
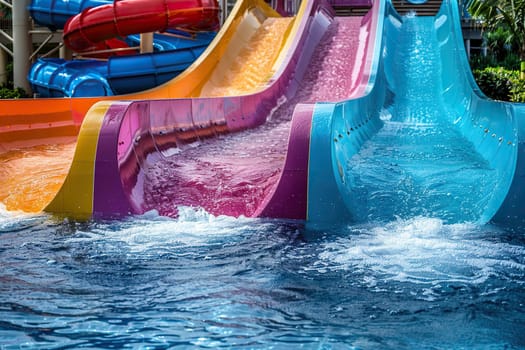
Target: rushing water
pixel 234 174
pixel 419 163
pixel 201 281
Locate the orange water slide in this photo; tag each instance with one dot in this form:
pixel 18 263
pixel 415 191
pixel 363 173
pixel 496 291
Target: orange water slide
pixel 29 122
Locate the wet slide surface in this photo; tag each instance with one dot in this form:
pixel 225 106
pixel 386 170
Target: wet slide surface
pixel 22 175
pixel 232 174
pixel 247 72
pixel 38 172
pixel 419 163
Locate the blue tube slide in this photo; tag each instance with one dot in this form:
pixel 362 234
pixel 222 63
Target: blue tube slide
pixel 120 74
pixel 423 141
pixel 53 77
pixel 55 13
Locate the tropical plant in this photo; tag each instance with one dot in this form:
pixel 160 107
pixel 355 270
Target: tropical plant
pixel 501 84
pixel 506 15
pixel 8 92
pixel 496 83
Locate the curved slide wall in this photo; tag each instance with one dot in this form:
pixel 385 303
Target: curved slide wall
pixel 84 31
pixel 55 13
pixel 28 122
pixel 130 133
pixel 424 142
pixel 119 75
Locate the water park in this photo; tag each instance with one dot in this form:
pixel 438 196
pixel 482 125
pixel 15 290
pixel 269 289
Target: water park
pixel 314 174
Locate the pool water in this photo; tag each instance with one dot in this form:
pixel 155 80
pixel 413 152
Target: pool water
pixel 201 281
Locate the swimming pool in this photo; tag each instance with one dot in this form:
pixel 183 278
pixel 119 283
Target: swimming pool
pixel 201 281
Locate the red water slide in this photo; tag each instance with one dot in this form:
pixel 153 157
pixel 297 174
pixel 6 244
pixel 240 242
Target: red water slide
pixel 86 30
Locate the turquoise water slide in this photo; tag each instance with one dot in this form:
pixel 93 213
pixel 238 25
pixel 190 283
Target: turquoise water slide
pixel 423 140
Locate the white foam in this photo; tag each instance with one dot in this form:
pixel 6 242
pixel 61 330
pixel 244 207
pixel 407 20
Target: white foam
pixel 151 232
pixel 18 220
pixel 422 251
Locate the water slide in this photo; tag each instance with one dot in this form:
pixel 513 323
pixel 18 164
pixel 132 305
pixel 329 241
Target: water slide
pixel 225 153
pixel 413 137
pixel 409 135
pixel 86 30
pixel 424 141
pixel 118 75
pixel 39 137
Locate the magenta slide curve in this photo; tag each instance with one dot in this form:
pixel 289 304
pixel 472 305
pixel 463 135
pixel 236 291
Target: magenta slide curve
pixel 86 30
pixel 292 186
pixel 137 136
pixel 144 159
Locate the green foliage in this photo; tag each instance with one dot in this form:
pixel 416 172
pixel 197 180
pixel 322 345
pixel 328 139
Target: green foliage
pixel 7 92
pixel 503 19
pixel 517 92
pixel 494 82
pixel 480 62
pixel 498 42
pixel 501 84
pixel 511 61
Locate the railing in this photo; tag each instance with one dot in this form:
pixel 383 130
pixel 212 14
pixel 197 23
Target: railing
pixel 6 24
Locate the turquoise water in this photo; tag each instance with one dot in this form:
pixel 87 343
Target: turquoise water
pixel 201 281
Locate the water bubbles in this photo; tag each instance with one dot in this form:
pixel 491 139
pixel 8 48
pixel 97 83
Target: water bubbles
pixel 12 221
pixel 419 163
pixel 423 252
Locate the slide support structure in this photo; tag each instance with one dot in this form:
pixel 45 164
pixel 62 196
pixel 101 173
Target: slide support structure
pixel 21 44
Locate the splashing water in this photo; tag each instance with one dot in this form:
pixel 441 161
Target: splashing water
pixel 419 164
pixel 221 282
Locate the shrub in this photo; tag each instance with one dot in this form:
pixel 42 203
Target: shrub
pixel 501 84
pixel 9 92
pixel 480 62
pixel 496 83
pixel 517 92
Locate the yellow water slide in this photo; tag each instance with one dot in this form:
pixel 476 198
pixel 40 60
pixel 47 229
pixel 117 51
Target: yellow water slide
pixel 38 136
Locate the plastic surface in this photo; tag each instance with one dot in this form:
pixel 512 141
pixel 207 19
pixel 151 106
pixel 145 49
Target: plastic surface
pixel 150 130
pixel 36 121
pixel 134 137
pixel 55 13
pixel 143 130
pixel 86 30
pixel 26 123
pixel 341 131
pixel 119 74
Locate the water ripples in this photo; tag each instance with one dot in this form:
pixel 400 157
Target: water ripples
pixel 423 251
pixel 204 281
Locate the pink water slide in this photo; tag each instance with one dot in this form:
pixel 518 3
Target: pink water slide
pixel 86 30
pixel 143 163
